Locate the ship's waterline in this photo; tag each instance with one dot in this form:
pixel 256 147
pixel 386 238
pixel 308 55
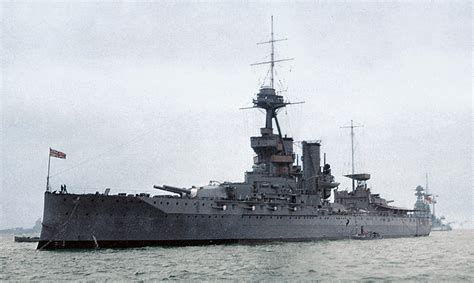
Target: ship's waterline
pixel 279 200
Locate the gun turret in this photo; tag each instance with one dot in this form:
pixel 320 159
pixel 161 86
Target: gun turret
pixel 175 190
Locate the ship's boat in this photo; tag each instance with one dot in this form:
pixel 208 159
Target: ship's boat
pixel 23 239
pixel 367 236
pixel 279 200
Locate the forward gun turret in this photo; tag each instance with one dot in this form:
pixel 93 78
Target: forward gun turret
pixel 175 190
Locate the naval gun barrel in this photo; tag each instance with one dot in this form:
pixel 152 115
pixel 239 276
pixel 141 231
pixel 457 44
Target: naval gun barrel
pixel 173 190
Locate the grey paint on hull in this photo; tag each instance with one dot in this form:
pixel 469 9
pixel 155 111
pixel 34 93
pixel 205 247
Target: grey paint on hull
pixel 120 221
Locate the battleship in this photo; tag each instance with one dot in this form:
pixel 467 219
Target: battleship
pixel 440 224
pixel 279 200
pixel 437 223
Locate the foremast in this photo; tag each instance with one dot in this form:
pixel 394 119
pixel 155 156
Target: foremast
pixel 274 152
pixel 275 158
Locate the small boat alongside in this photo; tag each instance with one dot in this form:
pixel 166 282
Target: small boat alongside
pixel 366 235
pixel 21 239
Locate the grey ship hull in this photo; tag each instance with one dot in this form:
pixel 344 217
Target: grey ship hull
pixel 88 221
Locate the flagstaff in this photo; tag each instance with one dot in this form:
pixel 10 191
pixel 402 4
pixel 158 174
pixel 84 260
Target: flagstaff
pixel 49 166
pixel 57 154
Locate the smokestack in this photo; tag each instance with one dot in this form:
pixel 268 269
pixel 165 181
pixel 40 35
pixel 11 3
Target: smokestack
pixel 311 164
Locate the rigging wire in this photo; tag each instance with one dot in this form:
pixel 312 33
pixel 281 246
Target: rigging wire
pixel 262 82
pixel 282 85
pixel 101 154
pixel 265 79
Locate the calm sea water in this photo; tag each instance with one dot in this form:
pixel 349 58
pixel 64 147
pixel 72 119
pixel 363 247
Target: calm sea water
pixel 441 256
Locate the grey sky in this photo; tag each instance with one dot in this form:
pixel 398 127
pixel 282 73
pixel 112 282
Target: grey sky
pixel 139 94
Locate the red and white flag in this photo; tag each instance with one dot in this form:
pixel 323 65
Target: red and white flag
pixel 57 153
pixel 428 199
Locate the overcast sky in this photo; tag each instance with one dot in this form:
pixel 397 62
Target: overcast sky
pixel 138 94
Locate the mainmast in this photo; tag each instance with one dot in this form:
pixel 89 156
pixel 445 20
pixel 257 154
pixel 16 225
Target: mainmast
pixel 352 149
pixel 426 183
pixel 432 200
